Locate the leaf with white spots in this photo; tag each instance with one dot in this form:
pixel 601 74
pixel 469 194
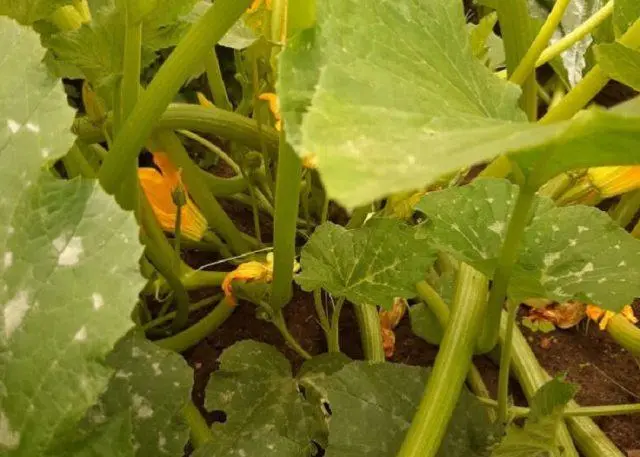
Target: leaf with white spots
pixel 139 415
pixel 568 252
pixel 266 413
pixel 61 244
pixel 372 406
pixel 369 265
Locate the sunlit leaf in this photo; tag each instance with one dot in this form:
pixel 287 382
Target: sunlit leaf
pixel 620 63
pixel 567 252
pixel 625 13
pixel 29 11
pixel 370 265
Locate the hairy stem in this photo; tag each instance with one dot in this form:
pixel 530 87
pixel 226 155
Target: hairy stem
pixel 216 82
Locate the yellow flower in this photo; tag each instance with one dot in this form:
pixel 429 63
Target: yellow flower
pixel 158 186
pixel 274 107
pixel 310 161
pixel 598 314
pixel 256 4
pixel 612 181
pixel 390 320
pixel 204 101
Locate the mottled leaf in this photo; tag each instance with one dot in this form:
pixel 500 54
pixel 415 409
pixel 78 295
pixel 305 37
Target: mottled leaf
pixel 372 406
pixel 620 63
pixel 69 258
pixel 538 437
pixel 568 252
pixel 266 414
pixel 140 413
pixel 369 265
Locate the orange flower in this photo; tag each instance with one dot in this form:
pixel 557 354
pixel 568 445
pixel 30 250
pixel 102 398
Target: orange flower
pixel 390 320
pixel 256 4
pixel 612 181
pixel 248 271
pixel 598 314
pixel 158 187
pixel 274 107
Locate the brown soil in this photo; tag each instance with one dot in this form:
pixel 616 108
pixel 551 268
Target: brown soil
pixel 605 373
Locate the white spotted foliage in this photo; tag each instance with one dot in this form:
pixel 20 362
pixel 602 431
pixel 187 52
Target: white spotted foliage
pixel 369 265
pixel 62 244
pixel 139 415
pixel 567 252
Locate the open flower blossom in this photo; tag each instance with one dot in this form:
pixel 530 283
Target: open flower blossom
pixel 274 107
pixel 598 314
pixel 250 271
pixel 612 181
pixel 389 320
pixel 159 186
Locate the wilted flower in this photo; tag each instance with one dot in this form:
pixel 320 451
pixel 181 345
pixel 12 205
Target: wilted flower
pixel 159 187
pixel 274 107
pixel 389 320
pixel 562 315
pixel 598 314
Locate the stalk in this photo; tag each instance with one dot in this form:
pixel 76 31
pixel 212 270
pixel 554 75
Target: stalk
pixel 591 84
pixel 216 82
pixel 200 431
pixel 211 209
pixel 198 331
pixel 527 65
pixel 278 320
pixel 505 364
pixel 626 209
pixel 209 120
pixel 517 34
pixel 625 333
pixel 435 303
pixel 152 323
pixel 507 260
pixel 582 411
pixel 451 366
pixel 370 332
pixel 131 66
pixel 284 224
pixel 334 330
pixel 77 161
pixel 117 173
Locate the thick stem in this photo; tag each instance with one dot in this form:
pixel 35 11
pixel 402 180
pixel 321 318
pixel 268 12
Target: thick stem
pixel 451 367
pixel 505 365
pixel 527 65
pixel 517 34
pixel 209 120
pixel 211 209
pixel 131 67
pixel 117 173
pixel 334 330
pixel 200 330
pixel 200 431
pixel 370 332
pixel 284 224
pixel 590 85
pixel 625 333
pixel 506 262
pixel 216 82
pixel 576 34
pixel 626 209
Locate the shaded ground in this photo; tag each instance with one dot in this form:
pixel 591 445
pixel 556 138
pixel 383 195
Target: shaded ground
pixel 605 373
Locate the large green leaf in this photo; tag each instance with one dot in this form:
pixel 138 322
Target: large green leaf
pixel 625 13
pixel 620 63
pixel 372 406
pixel 388 96
pixel 29 11
pixel 538 437
pixel 369 265
pixel 140 413
pixel 266 414
pixel 68 276
pixel 567 252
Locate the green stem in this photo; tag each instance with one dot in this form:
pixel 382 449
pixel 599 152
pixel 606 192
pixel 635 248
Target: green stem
pixel 167 317
pixel 505 365
pixel 506 262
pixel 625 333
pixel 131 68
pixel 279 322
pixel 527 65
pixel 209 120
pixel 211 209
pixel 213 148
pixel 435 303
pixel 589 438
pixel 576 34
pixel 500 167
pixel 358 216
pixel 626 209
pixel 321 312
pixel 118 170
pixel 200 431
pixel 284 224
pixel 451 367
pixel 80 163
pixel 590 85
pixel 200 330
pixel 223 187
pixel 216 82
pixel 370 332
pixel 334 331
pixel 582 411
pixel 517 35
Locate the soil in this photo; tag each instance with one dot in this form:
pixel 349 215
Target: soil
pixel 605 373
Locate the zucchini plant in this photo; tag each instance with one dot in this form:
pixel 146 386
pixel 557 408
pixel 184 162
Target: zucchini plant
pixel 132 132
